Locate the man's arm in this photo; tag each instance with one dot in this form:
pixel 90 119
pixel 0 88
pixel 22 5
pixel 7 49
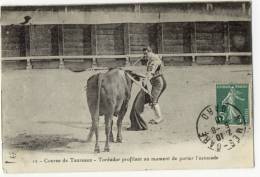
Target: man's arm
pixel 225 99
pixel 239 98
pixel 151 68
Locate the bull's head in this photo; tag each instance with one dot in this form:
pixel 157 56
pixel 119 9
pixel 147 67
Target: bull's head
pixel 136 76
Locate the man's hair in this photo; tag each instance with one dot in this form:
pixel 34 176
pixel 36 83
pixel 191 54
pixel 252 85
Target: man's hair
pixel 147 48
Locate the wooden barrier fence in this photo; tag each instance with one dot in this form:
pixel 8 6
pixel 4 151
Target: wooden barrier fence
pixel 126 57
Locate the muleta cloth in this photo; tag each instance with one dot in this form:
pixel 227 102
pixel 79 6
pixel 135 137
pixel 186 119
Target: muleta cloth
pixel 142 98
pixel 137 121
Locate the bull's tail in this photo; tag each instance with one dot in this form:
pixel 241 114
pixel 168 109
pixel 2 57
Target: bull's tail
pixel 95 116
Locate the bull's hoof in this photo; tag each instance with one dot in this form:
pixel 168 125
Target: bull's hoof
pixel 97 150
pixel 106 149
pixel 119 140
pixel 111 139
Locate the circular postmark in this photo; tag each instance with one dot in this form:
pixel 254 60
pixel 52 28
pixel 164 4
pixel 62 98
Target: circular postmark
pixel 217 131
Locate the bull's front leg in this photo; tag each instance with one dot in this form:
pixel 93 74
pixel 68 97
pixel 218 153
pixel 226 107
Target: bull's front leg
pixel 108 120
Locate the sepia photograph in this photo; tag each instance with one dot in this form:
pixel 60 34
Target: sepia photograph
pixel 127 86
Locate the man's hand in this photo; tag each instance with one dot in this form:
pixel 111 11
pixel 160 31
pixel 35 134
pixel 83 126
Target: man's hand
pixel 149 75
pixel 145 81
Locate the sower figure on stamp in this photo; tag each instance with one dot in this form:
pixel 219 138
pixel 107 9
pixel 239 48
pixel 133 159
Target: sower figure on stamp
pixel 158 83
pixel 230 101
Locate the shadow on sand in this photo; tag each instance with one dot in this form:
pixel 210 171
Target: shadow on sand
pixel 40 142
pixel 71 124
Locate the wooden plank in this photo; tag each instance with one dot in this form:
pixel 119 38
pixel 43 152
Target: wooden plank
pixel 93 40
pixel 173 35
pixel 105 38
pixel 140 28
pixel 244 8
pixel 225 38
pixel 193 41
pixel 73 38
pixel 10 46
pixel 78 50
pixel 209 42
pixel 40 39
pixel 108 45
pixel 162 33
pixel 209 26
pixel 73 51
pixel 42 52
pixel 78 37
pixel 228 36
pixel 108 26
pixel 12 41
pixel 178 35
pixel 87 40
pixel 7 53
pixel 138 48
pixel 139 42
pixel 75 45
pixel 159 38
pixel 110 39
pixel 61 44
pixel 126 43
pixel 28 40
pixel 61 39
pixel 195 37
pixel 143 36
pixel 171 49
pixel 69 52
pixel 173 42
pixel 108 32
pixel 7 39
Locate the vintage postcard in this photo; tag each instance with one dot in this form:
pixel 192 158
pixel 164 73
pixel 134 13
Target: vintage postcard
pixel 144 86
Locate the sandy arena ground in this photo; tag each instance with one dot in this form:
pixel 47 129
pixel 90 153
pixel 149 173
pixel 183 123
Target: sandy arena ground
pixel 45 111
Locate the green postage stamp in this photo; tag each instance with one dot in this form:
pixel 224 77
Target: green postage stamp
pixel 160 85
pixel 232 103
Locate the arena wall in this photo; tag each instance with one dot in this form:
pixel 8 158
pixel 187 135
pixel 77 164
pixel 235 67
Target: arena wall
pixel 114 35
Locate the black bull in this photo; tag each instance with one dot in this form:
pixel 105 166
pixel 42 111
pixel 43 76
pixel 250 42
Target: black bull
pixel 108 94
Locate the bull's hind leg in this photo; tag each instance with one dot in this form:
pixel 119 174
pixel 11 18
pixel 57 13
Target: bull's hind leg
pixel 94 129
pixel 90 135
pixel 96 125
pixel 108 119
pixel 119 123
